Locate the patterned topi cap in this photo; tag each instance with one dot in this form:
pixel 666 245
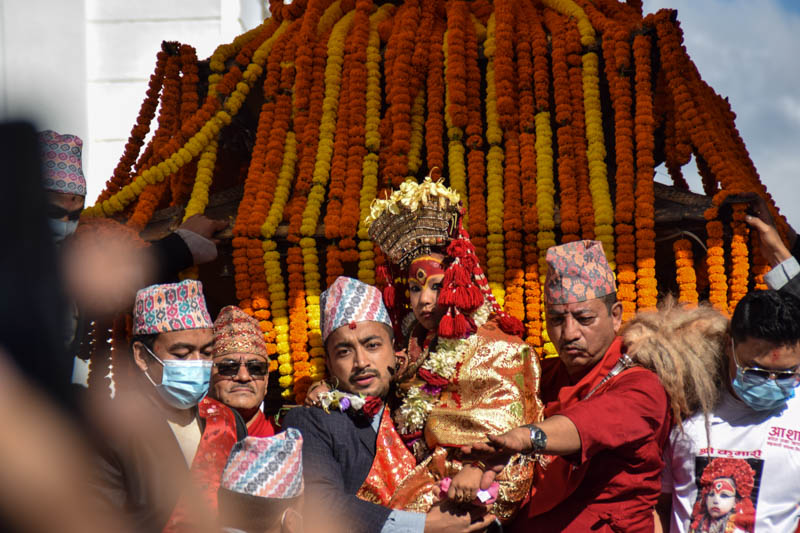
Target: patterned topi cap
pixel 348 301
pixel 61 163
pixel 237 332
pixel 269 467
pixel 170 307
pixel 576 272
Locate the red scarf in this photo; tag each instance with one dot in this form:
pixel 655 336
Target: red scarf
pixel 392 463
pixel 216 443
pixel 260 426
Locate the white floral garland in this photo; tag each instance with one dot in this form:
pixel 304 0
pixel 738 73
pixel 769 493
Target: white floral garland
pixel 333 399
pixel 417 404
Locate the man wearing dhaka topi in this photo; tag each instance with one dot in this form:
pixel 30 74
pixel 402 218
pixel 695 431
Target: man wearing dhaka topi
pixel 353 431
pixel 241 368
pixel 607 419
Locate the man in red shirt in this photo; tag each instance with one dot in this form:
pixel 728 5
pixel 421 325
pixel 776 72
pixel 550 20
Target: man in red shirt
pixel 607 420
pixel 240 372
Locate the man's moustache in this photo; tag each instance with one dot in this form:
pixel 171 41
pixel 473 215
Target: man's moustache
pixel 360 375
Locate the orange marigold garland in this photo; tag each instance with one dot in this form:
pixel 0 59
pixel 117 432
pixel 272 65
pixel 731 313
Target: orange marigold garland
pixel 684 270
pixel 568 209
pixel 740 265
pixel 401 88
pixel 477 226
pixel 617 55
pixel 323 124
pixel 526 17
pixel 168 124
pixel 644 123
pixel 181 182
pixel 434 123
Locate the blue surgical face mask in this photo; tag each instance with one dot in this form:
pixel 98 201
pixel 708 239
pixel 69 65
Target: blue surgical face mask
pixel 62 229
pixel 183 383
pixel 758 394
pixel 758 389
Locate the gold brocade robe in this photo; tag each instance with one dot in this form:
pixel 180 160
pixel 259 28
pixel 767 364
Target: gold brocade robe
pixel 495 389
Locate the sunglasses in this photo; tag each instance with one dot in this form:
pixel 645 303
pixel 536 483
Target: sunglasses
pixel 58 212
pixel 784 378
pixel 257 369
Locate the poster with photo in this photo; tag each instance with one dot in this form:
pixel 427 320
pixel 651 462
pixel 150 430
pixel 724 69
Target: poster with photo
pixel 727 494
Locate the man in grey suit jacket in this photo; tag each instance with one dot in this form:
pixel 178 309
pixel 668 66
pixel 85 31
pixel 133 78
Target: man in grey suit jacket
pixel 339 447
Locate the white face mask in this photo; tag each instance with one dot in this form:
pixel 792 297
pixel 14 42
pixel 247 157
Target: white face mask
pixel 62 228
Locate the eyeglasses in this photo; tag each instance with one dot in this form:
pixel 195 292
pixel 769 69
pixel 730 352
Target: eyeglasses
pixel 784 378
pixel 257 369
pixel 58 212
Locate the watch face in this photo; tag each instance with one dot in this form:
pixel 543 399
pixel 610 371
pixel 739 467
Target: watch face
pixel 538 439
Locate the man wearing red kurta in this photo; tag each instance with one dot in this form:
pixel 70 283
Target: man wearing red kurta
pixel 607 420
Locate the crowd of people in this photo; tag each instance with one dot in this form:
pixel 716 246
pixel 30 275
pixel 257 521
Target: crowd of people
pixel 436 415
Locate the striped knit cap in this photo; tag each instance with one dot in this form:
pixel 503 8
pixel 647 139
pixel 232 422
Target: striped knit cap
pixel 348 301
pixel 270 467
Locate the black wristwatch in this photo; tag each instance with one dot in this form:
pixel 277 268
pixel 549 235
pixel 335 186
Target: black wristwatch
pixel 538 439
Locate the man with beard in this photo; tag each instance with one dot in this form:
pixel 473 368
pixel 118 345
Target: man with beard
pixel 340 440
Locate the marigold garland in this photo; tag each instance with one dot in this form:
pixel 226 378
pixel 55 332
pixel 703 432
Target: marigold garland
pixel 646 285
pixel 356 99
pixel 495 260
pixel 685 274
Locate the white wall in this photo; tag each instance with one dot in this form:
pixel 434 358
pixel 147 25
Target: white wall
pixel 82 66
pixel 43 64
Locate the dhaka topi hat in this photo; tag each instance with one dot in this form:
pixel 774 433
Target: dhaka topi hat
pixel 237 332
pixel 348 301
pixel 170 307
pixel 268 467
pixel 576 272
pixel 61 163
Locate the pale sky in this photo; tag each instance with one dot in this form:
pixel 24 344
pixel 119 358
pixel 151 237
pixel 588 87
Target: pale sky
pixel 747 51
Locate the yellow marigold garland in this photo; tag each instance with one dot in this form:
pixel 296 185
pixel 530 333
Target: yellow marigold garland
pixel 545 207
pixel 372 141
pixel 330 107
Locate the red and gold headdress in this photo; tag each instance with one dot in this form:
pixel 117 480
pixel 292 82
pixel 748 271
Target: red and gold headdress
pixel 422 218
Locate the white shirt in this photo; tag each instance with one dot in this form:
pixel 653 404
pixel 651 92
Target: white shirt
pixel 769 442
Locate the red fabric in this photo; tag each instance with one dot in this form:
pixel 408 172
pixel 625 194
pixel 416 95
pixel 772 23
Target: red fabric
pixel 372 405
pixel 261 426
pixel 393 462
pixel 216 443
pixel 615 482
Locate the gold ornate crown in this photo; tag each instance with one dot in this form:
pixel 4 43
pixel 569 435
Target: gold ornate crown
pixel 414 220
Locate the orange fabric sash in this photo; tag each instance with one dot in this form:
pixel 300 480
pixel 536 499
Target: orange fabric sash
pixel 199 501
pixel 392 463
